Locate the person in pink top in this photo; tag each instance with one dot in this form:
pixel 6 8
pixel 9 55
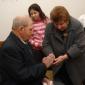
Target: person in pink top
pixel 40 20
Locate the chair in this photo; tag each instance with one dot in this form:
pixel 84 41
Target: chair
pixel 1 43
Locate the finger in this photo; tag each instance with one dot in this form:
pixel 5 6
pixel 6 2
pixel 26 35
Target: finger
pixel 55 62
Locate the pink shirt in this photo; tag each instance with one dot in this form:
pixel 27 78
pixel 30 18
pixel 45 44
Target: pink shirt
pixel 38 33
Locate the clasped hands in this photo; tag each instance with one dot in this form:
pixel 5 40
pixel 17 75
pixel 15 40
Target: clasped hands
pixel 52 60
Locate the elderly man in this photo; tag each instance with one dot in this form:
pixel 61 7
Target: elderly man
pixel 18 58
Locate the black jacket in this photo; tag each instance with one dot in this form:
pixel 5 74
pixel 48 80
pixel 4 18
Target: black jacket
pixel 19 64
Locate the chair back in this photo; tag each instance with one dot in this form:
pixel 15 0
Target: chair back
pixel 1 43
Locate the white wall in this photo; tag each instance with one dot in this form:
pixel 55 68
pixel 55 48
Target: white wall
pixel 11 8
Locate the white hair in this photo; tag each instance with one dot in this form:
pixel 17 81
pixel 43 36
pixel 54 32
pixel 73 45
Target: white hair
pixel 20 21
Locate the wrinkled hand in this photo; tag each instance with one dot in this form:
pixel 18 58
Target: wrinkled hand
pixel 48 61
pixel 60 59
pixel 51 55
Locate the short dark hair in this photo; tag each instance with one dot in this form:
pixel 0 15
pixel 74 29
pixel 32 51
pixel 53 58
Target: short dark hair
pixel 37 8
pixel 59 13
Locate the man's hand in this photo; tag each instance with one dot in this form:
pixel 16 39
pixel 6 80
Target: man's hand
pixel 52 55
pixel 48 61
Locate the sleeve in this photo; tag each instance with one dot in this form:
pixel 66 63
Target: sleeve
pixel 78 48
pixel 46 43
pixel 17 67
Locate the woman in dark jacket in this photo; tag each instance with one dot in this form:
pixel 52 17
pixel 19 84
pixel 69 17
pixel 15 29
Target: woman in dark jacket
pixel 65 39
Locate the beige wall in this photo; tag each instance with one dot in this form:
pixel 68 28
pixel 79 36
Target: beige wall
pixel 11 8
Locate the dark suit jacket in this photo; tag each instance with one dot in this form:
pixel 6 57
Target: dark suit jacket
pixel 75 47
pixel 19 64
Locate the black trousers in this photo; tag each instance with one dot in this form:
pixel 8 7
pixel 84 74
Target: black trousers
pixel 62 78
pixel 84 82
